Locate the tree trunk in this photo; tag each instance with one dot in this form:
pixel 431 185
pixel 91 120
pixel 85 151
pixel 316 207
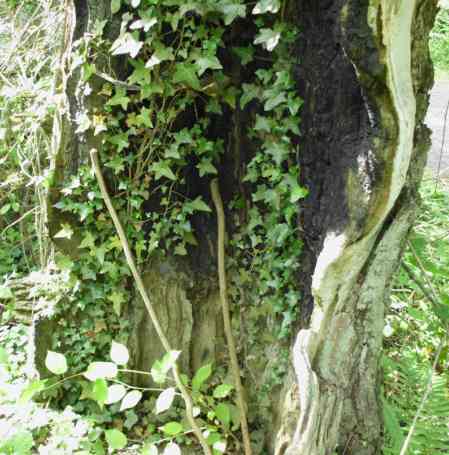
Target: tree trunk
pixel 364 75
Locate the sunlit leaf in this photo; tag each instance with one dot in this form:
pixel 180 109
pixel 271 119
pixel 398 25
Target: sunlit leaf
pixel 165 400
pixel 101 370
pixel 131 399
pixel 172 428
pixel 56 363
pixel 116 439
pixel 223 390
pixel 201 376
pixel 119 353
pixel 115 393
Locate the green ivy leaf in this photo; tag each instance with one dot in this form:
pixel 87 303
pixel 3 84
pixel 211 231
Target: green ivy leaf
pixel 172 428
pixel 267 6
pixel 206 167
pixel 268 38
pixel 246 54
pixel 161 54
pixel 208 62
pixel 162 169
pixel 116 439
pixel 185 73
pixel 126 44
pixel 201 376
pixel 120 99
pixel 56 363
pixel 65 233
pixel 274 101
pixel 196 205
pixel 231 11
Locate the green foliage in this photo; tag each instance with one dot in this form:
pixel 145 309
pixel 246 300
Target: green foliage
pixel 439 40
pixel 414 329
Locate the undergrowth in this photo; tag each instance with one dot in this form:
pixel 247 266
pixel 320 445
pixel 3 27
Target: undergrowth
pixel 415 327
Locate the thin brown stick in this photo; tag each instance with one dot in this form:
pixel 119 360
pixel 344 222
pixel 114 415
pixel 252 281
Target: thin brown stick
pixel 148 304
pixel 216 197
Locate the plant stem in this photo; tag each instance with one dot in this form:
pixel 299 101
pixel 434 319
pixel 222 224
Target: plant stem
pixel 216 197
pixel 145 297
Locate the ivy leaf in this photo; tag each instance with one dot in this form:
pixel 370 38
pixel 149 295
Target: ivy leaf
pixel 100 392
pixel 201 376
pixel 266 6
pixel 65 233
pixel 116 439
pixel 117 298
pixel 131 399
pixel 126 44
pixel 143 22
pixel 165 400
pixel 56 363
pixel 246 54
pixel 205 167
pixel 223 390
pixel 160 368
pixel 274 101
pixel 262 124
pixel 208 62
pixel 115 6
pixel 172 428
pixel 120 98
pixel 185 73
pixel 161 54
pixel 196 205
pixel 119 353
pixel 172 449
pixel 231 11
pixel 298 193
pixel 101 370
pixel 162 169
pixel 115 393
pixel 249 92
pixel 268 38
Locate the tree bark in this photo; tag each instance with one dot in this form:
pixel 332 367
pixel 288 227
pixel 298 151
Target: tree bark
pixel 365 74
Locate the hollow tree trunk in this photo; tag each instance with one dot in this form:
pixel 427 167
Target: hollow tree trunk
pixel 365 74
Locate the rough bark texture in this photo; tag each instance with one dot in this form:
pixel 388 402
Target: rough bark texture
pixel 365 74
